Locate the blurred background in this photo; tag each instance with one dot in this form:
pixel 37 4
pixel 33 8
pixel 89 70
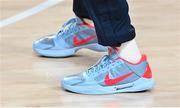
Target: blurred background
pixel 29 80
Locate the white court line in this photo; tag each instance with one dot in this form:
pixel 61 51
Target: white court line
pixel 29 12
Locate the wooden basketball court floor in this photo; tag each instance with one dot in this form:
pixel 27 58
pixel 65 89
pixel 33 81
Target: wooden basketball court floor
pixel 29 80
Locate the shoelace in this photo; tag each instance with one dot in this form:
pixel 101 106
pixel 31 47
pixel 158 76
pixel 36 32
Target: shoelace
pixel 68 28
pixel 97 68
pixel 72 20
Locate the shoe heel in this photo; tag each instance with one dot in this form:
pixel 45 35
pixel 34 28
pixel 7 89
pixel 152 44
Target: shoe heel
pixel 97 47
pixel 143 85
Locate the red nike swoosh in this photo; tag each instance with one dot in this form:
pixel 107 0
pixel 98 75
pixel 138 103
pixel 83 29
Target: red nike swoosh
pixel 110 82
pixel 78 42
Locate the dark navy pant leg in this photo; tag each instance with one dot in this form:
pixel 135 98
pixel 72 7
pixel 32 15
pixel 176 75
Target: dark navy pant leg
pixel 80 9
pixel 112 21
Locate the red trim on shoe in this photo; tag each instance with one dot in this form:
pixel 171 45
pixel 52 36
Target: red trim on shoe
pixel 148 73
pixel 88 25
pixel 110 50
pixel 143 58
pixel 116 49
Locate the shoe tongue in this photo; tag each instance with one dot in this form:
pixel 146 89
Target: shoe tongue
pixel 101 60
pixel 73 20
pixel 113 53
pixel 78 20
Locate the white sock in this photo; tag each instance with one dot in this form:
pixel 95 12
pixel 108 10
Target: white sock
pixel 130 51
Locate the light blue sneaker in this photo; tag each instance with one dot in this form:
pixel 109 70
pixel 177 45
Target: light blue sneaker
pixel 111 74
pixel 75 35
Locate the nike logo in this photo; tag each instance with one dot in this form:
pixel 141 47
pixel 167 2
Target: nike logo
pixel 78 42
pixel 110 82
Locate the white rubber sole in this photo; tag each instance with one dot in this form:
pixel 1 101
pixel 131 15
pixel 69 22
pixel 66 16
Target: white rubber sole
pixel 69 52
pixel 141 84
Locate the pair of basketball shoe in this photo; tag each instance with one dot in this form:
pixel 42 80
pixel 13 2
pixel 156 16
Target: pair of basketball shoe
pixel 111 74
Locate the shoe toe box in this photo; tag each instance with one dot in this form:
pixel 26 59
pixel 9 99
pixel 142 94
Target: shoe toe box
pixel 73 80
pixel 43 43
